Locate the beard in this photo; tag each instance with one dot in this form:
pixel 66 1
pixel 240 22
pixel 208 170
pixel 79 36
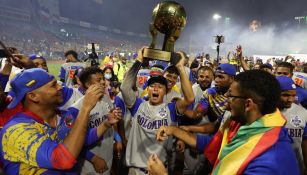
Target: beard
pixel 284 105
pixel 239 118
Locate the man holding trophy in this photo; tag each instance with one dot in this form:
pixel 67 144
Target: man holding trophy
pixel 149 116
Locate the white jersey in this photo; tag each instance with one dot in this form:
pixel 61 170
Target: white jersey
pixel 70 96
pixel 104 148
pixel 146 121
pixel 14 72
pixel 169 96
pixel 68 70
pixel 296 125
pixel 300 79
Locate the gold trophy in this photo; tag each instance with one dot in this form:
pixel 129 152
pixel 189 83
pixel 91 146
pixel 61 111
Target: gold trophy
pixel 169 18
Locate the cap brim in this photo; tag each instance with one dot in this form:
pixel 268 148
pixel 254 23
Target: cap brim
pixel 157 79
pixel 15 102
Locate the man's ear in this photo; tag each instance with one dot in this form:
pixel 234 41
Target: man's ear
pixel 32 96
pixel 249 104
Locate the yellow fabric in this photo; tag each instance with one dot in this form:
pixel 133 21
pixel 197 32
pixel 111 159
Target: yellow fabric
pixel 25 169
pixel 120 72
pixel 238 156
pixel 17 148
pixel 106 60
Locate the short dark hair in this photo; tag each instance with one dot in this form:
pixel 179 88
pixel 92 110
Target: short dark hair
pixel 205 68
pixel 87 72
pixel 262 87
pixel 263 66
pixel 194 64
pixel 71 52
pixel 172 70
pixel 287 65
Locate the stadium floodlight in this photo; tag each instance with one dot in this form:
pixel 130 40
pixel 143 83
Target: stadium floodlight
pixel 216 17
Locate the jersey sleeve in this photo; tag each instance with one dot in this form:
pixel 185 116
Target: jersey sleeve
pixel 67 94
pixel 24 142
pixel 202 141
pixel 62 73
pixel 191 77
pixel 136 106
pixel 173 111
pixel 87 154
pixel 203 104
pixel 118 102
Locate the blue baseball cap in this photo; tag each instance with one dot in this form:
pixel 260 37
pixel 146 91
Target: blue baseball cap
pixel 34 56
pixel 226 68
pixel 27 81
pixel 157 79
pixel 286 83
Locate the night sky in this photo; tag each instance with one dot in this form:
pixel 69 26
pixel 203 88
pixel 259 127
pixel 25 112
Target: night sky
pixel 135 15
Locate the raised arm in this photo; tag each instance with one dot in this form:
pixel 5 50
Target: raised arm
pixel 239 55
pixel 165 131
pixel 74 141
pixel 130 79
pixel 188 95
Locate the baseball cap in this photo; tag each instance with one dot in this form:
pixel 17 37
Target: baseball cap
pixel 34 56
pixel 27 81
pixel 286 83
pixel 226 68
pixel 267 65
pixel 157 79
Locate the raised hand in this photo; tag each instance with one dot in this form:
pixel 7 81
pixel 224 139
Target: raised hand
pixel 93 95
pixel 21 61
pixel 114 116
pixel 163 133
pixel 140 56
pixel 155 166
pixel 239 51
pixel 181 62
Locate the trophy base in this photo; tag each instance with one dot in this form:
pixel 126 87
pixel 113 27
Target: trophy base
pixel 156 54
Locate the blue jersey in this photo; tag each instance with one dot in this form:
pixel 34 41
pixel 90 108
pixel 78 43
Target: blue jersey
pixel 30 146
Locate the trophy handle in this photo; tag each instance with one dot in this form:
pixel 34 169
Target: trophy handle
pixel 154 32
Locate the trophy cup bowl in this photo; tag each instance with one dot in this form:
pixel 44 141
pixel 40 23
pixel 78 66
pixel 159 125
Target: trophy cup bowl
pixel 168 18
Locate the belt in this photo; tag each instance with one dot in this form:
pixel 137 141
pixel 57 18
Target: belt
pixel 141 169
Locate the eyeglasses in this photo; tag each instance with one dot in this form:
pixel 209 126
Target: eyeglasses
pixel 234 96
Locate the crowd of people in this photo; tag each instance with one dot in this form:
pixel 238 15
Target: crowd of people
pixel 53 43
pixel 197 116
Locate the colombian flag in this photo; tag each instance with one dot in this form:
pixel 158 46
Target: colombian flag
pixel 234 146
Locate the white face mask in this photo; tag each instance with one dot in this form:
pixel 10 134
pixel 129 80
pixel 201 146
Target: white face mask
pixel 108 76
